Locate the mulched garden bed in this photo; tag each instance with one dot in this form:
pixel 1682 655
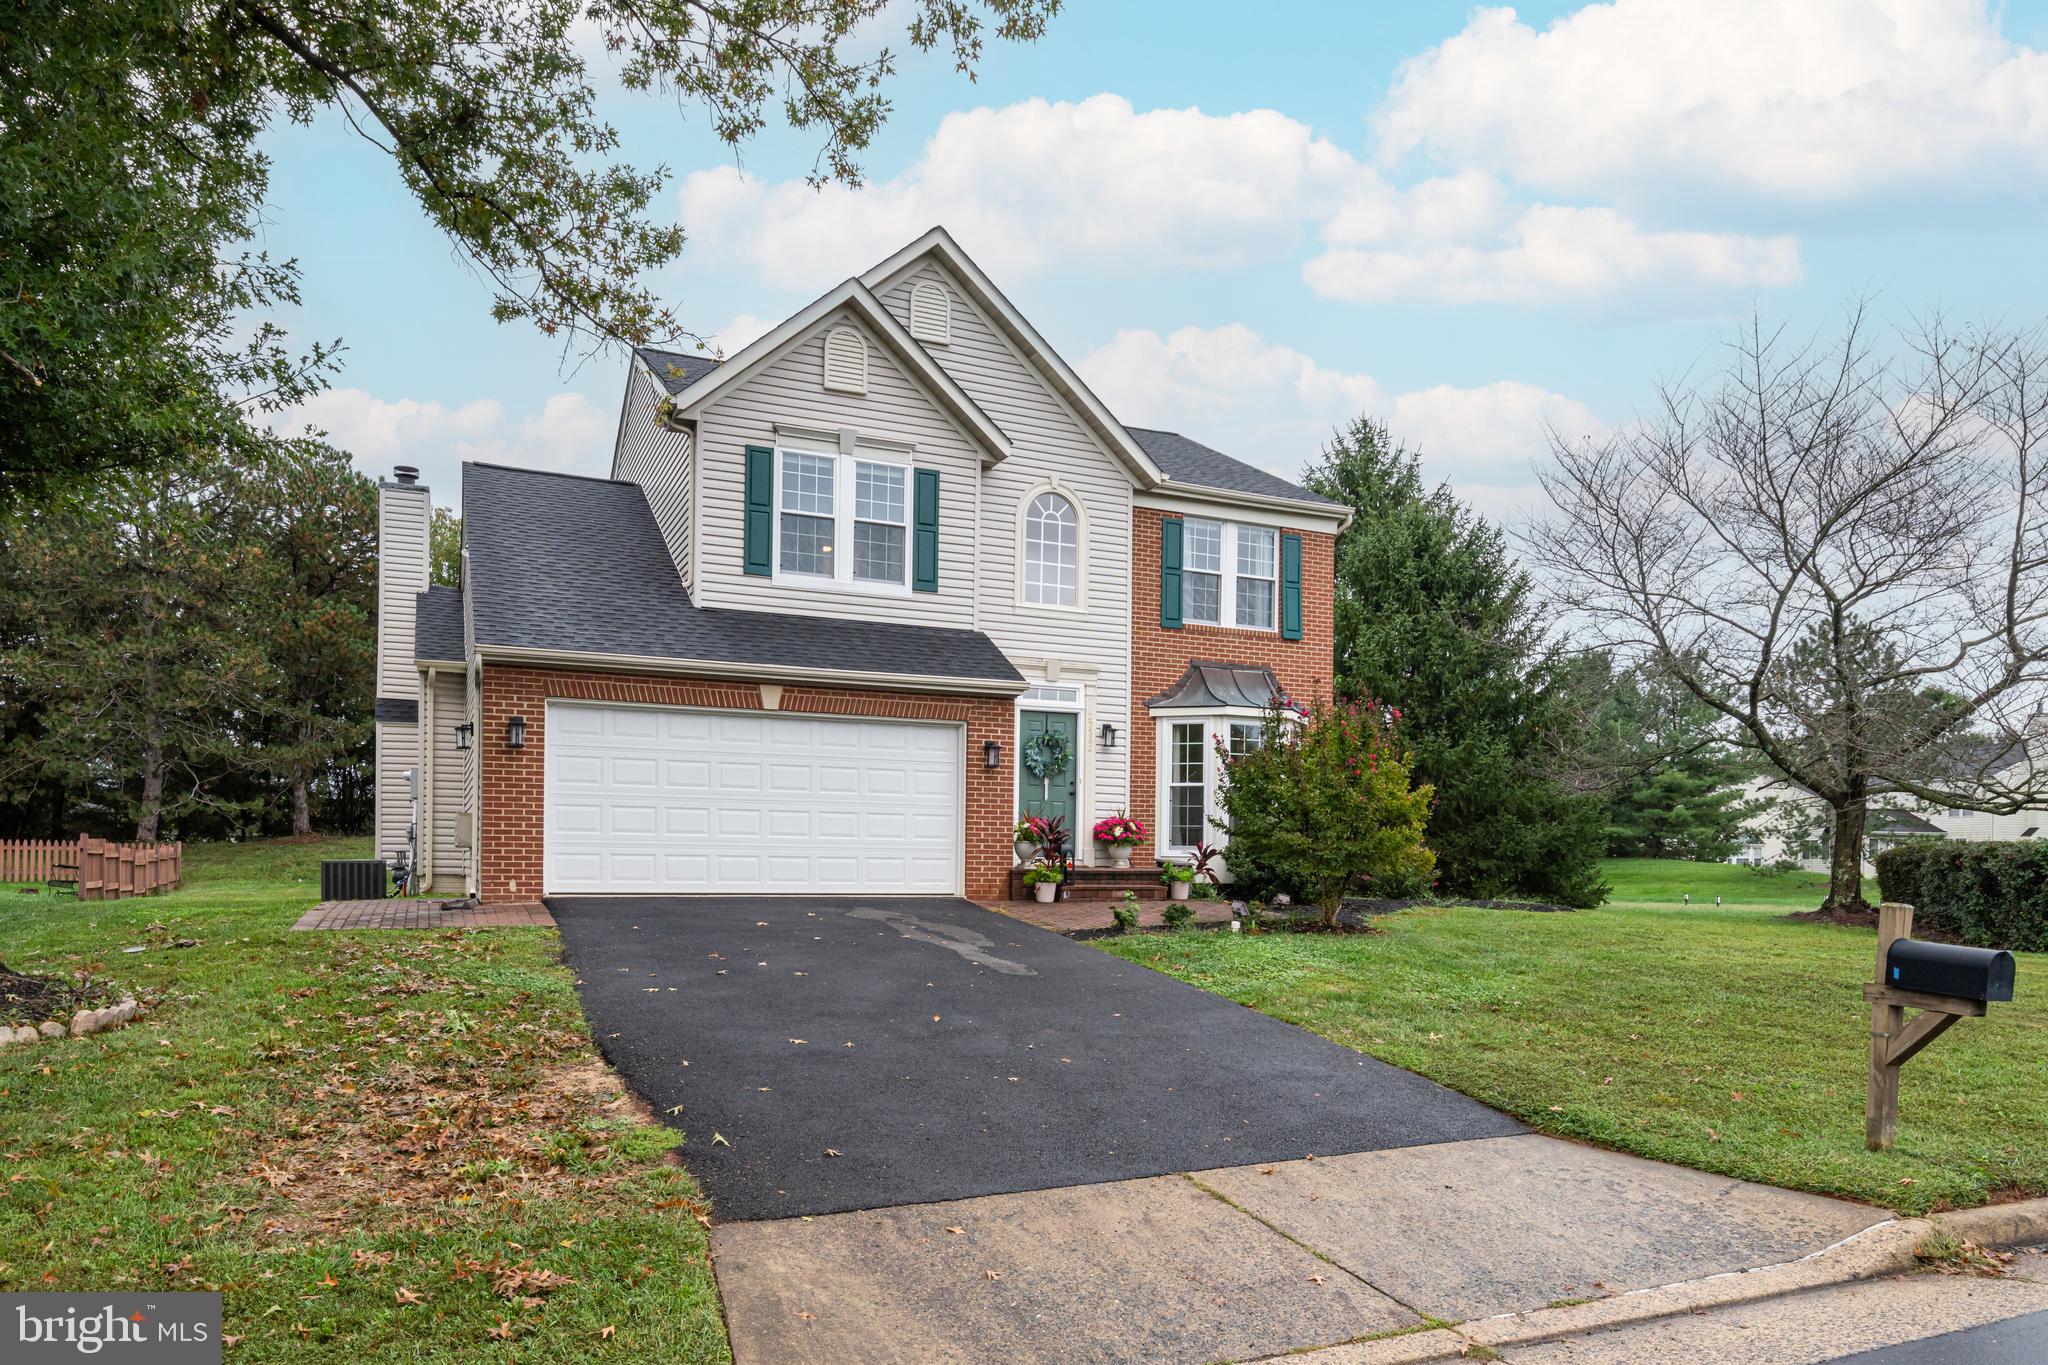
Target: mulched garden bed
pixel 34 999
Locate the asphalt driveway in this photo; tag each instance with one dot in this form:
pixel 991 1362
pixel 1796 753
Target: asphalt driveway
pixel 823 1055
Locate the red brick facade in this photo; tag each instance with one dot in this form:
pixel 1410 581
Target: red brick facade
pixel 510 834
pixel 1159 656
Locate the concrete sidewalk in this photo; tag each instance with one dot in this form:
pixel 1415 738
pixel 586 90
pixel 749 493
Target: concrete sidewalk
pixel 1253 1261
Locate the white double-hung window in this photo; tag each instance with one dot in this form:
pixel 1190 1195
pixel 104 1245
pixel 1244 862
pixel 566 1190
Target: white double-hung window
pixel 842 519
pixel 1229 574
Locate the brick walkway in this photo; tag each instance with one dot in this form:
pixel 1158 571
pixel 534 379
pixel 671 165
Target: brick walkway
pixel 1064 917
pixel 421 914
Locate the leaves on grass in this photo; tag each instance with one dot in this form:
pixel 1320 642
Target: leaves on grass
pixel 406 1295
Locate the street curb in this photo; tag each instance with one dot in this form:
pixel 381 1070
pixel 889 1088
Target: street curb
pixel 1884 1248
pixel 1999 1225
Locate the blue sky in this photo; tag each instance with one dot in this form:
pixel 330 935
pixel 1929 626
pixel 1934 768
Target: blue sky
pixel 1467 222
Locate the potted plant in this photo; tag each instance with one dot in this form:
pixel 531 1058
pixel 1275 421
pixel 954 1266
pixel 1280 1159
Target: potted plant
pixel 1043 881
pixel 1179 879
pixel 1119 833
pixel 1028 837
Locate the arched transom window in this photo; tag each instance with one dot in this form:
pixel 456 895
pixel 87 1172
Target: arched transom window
pixel 1052 552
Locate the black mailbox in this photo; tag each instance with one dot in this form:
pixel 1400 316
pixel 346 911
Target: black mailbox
pixel 1949 969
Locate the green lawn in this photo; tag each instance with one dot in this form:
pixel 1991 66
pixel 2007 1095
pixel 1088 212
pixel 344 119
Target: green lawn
pixel 376 1145
pixel 1733 1040
pixel 1666 881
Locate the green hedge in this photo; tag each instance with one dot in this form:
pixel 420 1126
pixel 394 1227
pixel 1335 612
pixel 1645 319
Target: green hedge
pixel 1994 895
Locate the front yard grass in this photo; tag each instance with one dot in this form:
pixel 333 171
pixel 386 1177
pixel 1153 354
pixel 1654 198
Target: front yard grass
pixel 1733 1040
pixel 375 1145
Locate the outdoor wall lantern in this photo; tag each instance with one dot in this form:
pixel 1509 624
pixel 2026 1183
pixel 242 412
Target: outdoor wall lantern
pixel 992 754
pixel 464 733
pixel 515 733
pixel 1108 735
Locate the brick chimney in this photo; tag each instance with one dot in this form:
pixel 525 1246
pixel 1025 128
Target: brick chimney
pixel 404 511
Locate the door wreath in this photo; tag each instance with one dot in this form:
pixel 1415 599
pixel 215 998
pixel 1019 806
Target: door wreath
pixel 1047 754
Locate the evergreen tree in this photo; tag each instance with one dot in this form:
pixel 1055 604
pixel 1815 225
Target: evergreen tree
pixel 1433 618
pixel 1673 782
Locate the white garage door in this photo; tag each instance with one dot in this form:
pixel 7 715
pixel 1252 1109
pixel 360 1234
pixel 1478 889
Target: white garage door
pixel 673 800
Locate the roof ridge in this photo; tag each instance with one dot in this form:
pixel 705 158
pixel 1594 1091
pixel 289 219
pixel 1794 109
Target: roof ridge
pixel 545 473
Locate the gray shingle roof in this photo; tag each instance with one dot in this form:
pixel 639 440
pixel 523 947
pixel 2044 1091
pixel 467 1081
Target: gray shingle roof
pixel 676 370
pixel 562 562
pixel 1185 461
pixel 437 628
pixel 1209 684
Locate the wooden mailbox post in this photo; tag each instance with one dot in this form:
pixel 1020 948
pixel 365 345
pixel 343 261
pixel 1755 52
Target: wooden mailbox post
pixel 1895 1039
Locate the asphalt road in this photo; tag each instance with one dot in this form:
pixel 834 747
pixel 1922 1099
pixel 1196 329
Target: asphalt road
pixel 2014 1341
pixel 825 1055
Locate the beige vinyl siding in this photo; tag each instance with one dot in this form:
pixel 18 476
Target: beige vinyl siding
pixel 401 577
pixel 1092 644
pixel 402 516
pixel 657 457
pixel 790 390
pixel 447 704
pixel 397 751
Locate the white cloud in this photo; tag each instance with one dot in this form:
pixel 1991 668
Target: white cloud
pixel 1031 183
pixel 1273 406
pixel 1548 253
pixel 1099 183
pixel 568 432
pixel 1813 100
pixel 743 328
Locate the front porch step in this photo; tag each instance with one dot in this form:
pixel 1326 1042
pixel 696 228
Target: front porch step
pixel 1101 883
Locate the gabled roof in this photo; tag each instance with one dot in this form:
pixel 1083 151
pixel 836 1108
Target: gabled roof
pixel 856 298
pixel 1208 685
pixel 1190 462
pixel 437 635
pixel 567 566
pixel 938 242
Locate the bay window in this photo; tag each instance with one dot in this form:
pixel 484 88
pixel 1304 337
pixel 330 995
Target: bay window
pixel 1192 771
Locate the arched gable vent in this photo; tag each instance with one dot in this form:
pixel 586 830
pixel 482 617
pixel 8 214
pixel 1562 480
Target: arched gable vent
pixel 931 312
pixel 846 361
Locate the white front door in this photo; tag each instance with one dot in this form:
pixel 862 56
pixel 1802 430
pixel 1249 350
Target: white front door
pixel 676 800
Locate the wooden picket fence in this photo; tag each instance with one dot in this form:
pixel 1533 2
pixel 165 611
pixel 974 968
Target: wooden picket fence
pixel 104 870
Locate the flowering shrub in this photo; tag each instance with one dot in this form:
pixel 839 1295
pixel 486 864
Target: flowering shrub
pixel 1120 829
pixel 1325 805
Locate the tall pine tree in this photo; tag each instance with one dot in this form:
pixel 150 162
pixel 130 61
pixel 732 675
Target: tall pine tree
pixel 1433 617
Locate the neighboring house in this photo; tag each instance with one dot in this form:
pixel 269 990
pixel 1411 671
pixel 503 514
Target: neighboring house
pixel 1895 818
pixel 853 600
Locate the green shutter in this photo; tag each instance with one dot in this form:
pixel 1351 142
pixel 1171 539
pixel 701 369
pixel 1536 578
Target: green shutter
pixel 1290 587
pixel 1169 573
pixel 924 548
pixel 760 527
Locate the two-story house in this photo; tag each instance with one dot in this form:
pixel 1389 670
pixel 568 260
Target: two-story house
pixel 852 600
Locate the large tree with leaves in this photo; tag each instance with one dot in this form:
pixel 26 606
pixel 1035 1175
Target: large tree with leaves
pixel 1434 618
pixel 309 599
pixel 130 174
